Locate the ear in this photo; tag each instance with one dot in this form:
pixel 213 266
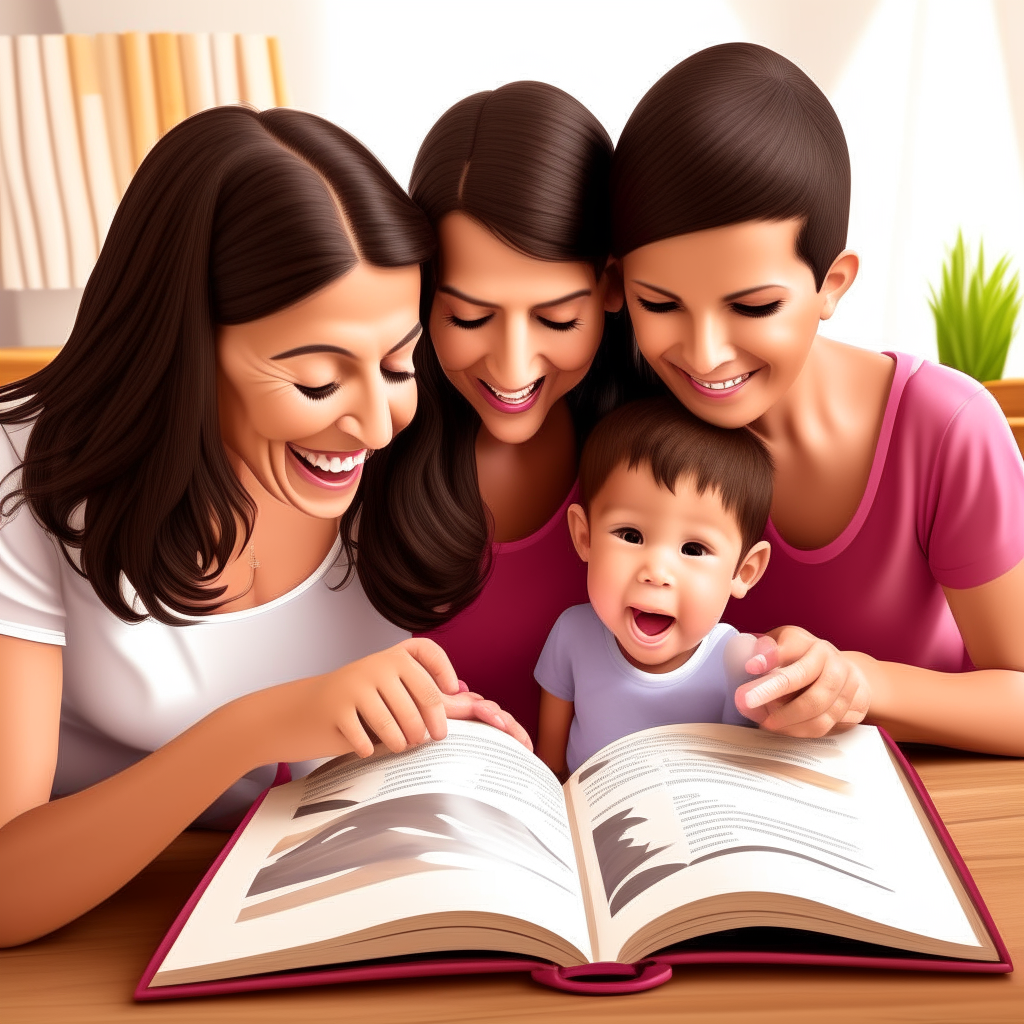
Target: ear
pixel 840 276
pixel 751 569
pixel 579 530
pixel 614 295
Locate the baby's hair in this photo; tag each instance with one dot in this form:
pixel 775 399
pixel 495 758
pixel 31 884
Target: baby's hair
pixel 734 133
pixel 665 436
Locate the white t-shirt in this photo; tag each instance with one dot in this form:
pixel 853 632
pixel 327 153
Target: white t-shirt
pixel 581 662
pixel 129 689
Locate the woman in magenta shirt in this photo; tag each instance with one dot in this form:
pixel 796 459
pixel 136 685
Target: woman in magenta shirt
pixel 897 526
pixel 473 548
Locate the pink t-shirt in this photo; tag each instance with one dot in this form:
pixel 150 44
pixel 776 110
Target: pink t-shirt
pixel 494 644
pixel 943 507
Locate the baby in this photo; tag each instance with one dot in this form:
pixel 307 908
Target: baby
pixel 670 527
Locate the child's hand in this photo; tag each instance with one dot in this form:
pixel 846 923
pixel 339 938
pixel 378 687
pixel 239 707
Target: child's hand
pixel 814 690
pixel 467 705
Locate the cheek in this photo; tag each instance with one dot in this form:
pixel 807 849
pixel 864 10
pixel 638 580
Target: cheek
pixel 402 406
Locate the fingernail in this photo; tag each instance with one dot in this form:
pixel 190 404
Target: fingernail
pixel 499 721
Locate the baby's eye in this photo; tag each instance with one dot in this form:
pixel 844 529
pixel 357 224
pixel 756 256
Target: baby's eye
pixel 658 307
pixel 467 325
pixel 694 550
pixel 560 325
pixel 629 535
pixel 757 311
pixel 320 393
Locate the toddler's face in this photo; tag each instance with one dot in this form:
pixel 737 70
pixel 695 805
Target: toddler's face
pixel 660 565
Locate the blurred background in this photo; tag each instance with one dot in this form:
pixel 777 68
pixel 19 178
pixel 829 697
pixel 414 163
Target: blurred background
pixel 929 92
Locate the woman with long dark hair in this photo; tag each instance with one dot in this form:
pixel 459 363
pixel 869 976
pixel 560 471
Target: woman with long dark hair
pixel 896 584
pixel 173 483
pixel 470 543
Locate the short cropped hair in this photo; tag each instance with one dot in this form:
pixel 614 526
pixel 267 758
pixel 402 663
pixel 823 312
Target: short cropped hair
pixel 665 436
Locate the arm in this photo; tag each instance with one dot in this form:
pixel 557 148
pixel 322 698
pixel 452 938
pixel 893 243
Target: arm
pixel 553 732
pixel 819 688
pixel 60 858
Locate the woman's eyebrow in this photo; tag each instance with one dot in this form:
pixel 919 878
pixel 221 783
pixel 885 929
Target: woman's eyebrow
pixel 305 350
pixel 449 290
pixel 660 291
pixel 749 291
pixel 565 298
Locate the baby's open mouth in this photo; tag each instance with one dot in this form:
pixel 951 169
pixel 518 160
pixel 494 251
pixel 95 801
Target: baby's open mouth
pixel 651 623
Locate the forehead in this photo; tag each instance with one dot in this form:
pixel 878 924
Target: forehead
pixel 477 262
pixel 725 258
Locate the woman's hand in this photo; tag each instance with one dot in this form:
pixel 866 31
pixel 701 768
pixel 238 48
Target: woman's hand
pixel 472 706
pixel 809 688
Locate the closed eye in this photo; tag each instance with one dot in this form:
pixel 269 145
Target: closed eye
pixel 560 325
pixel 396 376
pixel 320 393
pixel 756 311
pixel 467 325
pixel 694 550
pixel 669 306
pixel 629 534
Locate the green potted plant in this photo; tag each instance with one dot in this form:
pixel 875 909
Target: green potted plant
pixel 975 317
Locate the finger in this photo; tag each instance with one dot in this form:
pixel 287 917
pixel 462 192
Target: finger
pixel 405 711
pixel 755 714
pixel 352 729
pixel 432 657
pixel 765 656
pixel 422 688
pixel 816 711
pixel 473 706
pixel 463 687
pixel 789 678
pixel 377 716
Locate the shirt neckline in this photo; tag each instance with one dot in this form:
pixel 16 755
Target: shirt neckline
pixel 508 546
pixel 657 680
pixel 905 367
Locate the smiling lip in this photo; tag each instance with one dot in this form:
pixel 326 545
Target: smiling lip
pixel 650 627
pixel 511 401
pixel 715 389
pixel 334 471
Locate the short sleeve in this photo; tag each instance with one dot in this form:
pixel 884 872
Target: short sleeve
pixel 975 505
pixel 554 666
pixel 31 602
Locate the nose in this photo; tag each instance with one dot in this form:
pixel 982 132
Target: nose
pixel 710 347
pixel 367 415
pixel 512 361
pixel 656 569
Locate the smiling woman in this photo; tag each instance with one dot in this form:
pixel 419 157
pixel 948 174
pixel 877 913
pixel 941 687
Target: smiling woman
pixel 171 617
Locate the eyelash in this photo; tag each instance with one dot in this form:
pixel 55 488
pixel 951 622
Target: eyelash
pixel 467 325
pixel 757 311
pixel 623 534
pixel 701 550
pixel 326 390
pixel 560 325
pixel 658 307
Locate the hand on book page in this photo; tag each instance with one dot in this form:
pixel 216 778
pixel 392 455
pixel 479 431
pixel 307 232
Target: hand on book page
pixel 465 705
pixel 816 689
pixel 397 693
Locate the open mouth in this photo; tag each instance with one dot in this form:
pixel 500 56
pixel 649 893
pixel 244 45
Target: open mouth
pixel 511 401
pixel 328 469
pixel 720 388
pixel 651 624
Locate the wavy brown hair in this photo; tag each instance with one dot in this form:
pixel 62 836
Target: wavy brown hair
pixel 531 164
pixel 734 133
pixel 234 215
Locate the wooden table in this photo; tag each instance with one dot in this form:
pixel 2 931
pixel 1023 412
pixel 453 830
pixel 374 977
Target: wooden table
pixel 88 970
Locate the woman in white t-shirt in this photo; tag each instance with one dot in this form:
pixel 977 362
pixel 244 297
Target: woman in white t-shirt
pixel 171 609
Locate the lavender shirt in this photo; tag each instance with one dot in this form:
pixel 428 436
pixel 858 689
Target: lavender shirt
pixel 943 507
pixel 581 662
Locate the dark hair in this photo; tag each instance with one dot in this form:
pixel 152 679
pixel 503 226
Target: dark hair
pixel 531 164
pixel 734 133
pixel 664 435
pixel 233 216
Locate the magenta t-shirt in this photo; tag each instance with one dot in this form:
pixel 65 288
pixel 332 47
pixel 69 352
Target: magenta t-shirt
pixel 943 507
pixel 494 644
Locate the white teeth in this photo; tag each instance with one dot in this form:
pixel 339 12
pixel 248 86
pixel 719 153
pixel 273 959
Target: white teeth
pixel 720 385
pixel 334 463
pixel 514 397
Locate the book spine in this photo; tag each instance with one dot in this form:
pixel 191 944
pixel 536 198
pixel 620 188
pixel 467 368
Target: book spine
pixel 11 277
pixel 225 69
pixel 197 71
pixel 256 77
pixel 170 87
pixel 115 107
pixel 14 169
pixel 281 95
pixel 42 175
pixel 68 153
pixel 92 123
pixel 139 85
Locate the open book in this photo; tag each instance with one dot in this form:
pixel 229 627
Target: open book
pixel 663 837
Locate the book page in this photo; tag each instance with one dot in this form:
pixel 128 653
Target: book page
pixel 470 823
pixel 678 814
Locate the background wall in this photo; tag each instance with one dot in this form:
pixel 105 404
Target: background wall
pixel 930 93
